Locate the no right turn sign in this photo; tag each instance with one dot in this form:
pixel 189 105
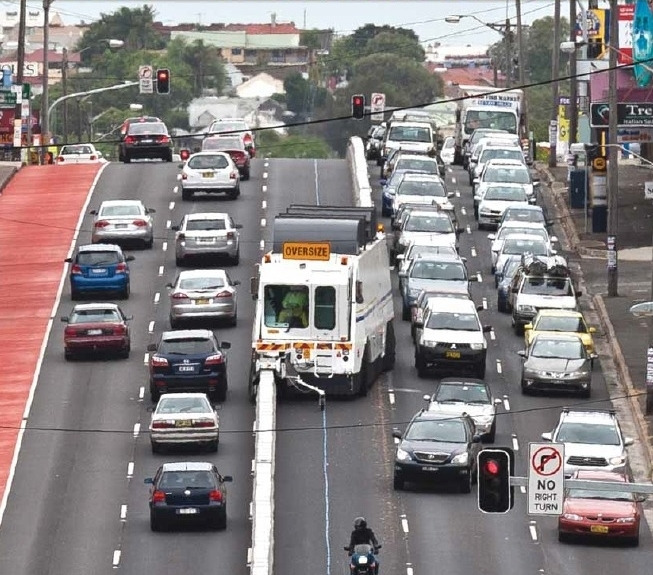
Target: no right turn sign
pixel 546 478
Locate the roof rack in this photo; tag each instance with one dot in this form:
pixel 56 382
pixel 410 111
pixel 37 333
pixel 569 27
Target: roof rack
pixel 610 411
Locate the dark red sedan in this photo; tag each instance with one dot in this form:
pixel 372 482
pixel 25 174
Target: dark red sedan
pixel 235 147
pixel 606 514
pixel 96 327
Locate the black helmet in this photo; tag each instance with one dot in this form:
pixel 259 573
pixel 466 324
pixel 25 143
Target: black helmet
pixel 360 523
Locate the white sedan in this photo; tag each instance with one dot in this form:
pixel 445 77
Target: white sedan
pixel 79 154
pixel 518 227
pixel 182 418
pixel 211 172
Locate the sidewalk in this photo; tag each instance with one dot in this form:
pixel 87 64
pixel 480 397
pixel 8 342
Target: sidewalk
pixel 624 336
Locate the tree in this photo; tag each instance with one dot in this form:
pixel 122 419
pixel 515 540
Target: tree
pixel 397 44
pixel 204 64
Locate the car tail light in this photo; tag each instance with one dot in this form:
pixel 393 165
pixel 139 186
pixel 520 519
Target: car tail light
pixel 102 224
pixel 236 156
pixel 158 361
pixel 184 176
pixel 119 329
pixel 247 139
pixel 139 223
pixel 215 495
pixel 181 237
pixel 93 157
pixel 231 235
pixel 130 140
pixel 225 293
pixel 163 139
pixel 69 332
pixel 158 496
pixel 60 159
pixel 179 295
pixel 203 423
pixel 216 359
pixel 121 268
pixel 233 175
pixel 163 424
pixel 76 269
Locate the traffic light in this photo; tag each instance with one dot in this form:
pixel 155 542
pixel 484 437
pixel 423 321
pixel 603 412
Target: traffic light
pixel 495 466
pixel 163 81
pixel 358 106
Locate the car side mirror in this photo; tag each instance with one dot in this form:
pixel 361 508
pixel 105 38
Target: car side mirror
pixel 400 257
pixel 553 239
pixel 492 237
pixel 235 283
pixel 129 317
pixel 497 401
pixel 93 212
pixel 521 353
pixel 426 397
pixel 554 252
pixel 473 278
pixel 628 441
pixel 476 181
pixel 170 285
pixel 65 319
pixel 151 347
pixel 129 258
pixel 175 228
pixel 148 481
pixel 151 211
pixel 528 326
pixel 487 328
pixel 238 226
pixel 579 293
pixel 477 198
pixel 396 433
pixel 594 355
pixel 225 344
pixel 450 194
pixel 548 436
pixel 180 165
pixel 383 182
pixel 227 478
pixel 476 439
pixel 68 260
pixel 418 322
pixel 591 330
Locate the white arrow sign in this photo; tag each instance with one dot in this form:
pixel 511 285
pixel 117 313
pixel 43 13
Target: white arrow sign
pixel 377 106
pixel 145 83
pixel 546 478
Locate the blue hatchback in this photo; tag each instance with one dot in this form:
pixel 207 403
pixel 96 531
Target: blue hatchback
pixel 99 268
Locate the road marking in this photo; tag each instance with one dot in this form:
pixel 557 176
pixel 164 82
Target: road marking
pixel 463 211
pixel 522 489
pixel 157 297
pixel 160 271
pixel 404 524
pixel 266 164
pixel 479 275
pixel 484 303
pixel 164 246
pixel 141 392
pixel 265 175
pixel 150 327
pixel 264 189
pixel 533 529
pixel 137 429
pixel 515 442
pixel 116 558
pixel 457 192
pixel 175 190
pixel 171 206
pixel 264 205
pixel 506 403
pixel 499 366
pixel 391 396
pixel 262 244
pixel 453 179
pixel 146 358
pixel 469 230
pixel 493 335
pixel 168 224
pixel 123 512
pixel 263 222
pixel 473 250
pixel 409 570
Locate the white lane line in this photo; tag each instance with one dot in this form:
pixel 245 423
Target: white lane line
pixel 146 358
pixel 499 366
pixel 116 558
pixel 137 429
pixel 123 512
pixel 404 524
pixel 266 164
pixel 506 403
pixel 484 303
pixel 262 244
pixel 473 250
pixel 263 222
pixel 264 205
pixel 479 275
pixel 141 392
pixel 522 488
pixel 469 230
pixel 157 297
pixel 409 570
pixel 533 529
pixel 515 442
pixel 150 327
pixel 453 179
pixel 171 206
pixel 493 335
pixel 175 190
pixel 463 211
pixel 164 246
pixel 264 189
pixel 457 192
pixel 265 175
pixel 161 271
pixel 168 224
pixel 391 396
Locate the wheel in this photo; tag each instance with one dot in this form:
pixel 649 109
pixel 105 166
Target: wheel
pixel 149 244
pixel 491 435
pixel 126 159
pixel 212 446
pixel 124 353
pixel 466 484
pixel 154 524
pixel 221 520
pixel 124 294
pixel 519 329
pixel 220 393
pixel 233 321
pixel 421 367
pixel 234 194
pixel 236 259
pixel 156 448
pixel 586 393
pixel 634 541
pixel 398 483
pixel 168 156
pixel 245 175
pixel 562 537
pixel 68 356
pixel 405 312
pixel 385 213
pixel 524 389
pixel 174 323
pixel 179 262
pixel 363 374
pixel 155 394
pixel 252 383
pixel 390 343
pixel 186 195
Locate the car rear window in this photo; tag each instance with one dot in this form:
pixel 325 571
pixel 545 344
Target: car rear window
pixel 76 150
pixel 186 346
pixel 201 283
pixel 213 162
pixel 147 128
pixel 206 225
pixel 130 210
pixel 229 127
pixel 97 258
pixel 222 143
pixel 181 479
pixel 95 316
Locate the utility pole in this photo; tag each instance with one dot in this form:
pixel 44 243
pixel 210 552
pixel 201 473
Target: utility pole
pixel 522 69
pixel 45 128
pixel 507 36
pixel 64 90
pixel 573 92
pixel 553 152
pixel 613 155
pixel 18 110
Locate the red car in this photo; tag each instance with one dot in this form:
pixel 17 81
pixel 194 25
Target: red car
pixel 606 514
pixel 96 327
pixel 232 145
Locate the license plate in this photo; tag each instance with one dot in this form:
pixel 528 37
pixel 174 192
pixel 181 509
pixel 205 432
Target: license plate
pixel 186 368
pixel 183 423
pixel 121 226
pixel 94 332
pixel 99 270
pixel 148 141
pixel 452 354
pixel 188 511
pixel 599 529
pixel 202 301
pixel 205 240
pixel 427 468
pixel 208 174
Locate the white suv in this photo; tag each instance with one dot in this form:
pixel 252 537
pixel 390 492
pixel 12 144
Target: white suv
pixel 592 440
pixel 504 172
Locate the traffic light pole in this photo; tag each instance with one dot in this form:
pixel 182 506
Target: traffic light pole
pixel 613 162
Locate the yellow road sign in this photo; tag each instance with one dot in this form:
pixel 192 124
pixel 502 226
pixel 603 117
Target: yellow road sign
pixel 599 164
pixel 320 251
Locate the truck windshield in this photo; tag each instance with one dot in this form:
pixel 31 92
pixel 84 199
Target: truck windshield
pixel 286 306
pixel 409 134
pixel 548 286
pixel 490 119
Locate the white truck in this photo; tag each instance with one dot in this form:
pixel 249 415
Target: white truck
pixel 324 310
pixel 486 107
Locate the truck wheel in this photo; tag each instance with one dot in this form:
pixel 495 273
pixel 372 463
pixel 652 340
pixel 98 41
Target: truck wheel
pixel 252 384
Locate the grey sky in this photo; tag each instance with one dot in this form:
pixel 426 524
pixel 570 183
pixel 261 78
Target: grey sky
pixel 425 17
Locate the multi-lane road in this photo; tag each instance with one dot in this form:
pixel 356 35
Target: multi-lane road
pixel 78 504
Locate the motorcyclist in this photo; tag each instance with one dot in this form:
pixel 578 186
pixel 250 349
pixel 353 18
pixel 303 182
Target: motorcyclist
pixel 363 535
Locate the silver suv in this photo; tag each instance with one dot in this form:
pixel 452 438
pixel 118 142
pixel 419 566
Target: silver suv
pixel 592 440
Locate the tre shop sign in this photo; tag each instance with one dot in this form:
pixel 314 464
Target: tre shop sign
pixel 546 478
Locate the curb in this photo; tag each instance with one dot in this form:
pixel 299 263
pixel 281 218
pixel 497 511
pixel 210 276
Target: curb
pixel 5 182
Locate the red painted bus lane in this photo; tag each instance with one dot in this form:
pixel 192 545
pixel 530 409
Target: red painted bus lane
pixel 40 211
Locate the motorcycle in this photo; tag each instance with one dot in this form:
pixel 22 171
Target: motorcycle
pixel 363 559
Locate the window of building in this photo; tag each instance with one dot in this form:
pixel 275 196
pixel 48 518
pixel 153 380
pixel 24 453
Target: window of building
pixel 236 51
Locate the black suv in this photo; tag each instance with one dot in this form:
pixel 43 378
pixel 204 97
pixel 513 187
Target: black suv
pixel 145 140
pixel 437 448
pixel 189 360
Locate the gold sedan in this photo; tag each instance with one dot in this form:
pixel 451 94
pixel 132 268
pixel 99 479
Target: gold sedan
pixel 560 321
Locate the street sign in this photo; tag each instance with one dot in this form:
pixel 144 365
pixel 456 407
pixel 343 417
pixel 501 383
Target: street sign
pixel 648 190
pixel 546 478
pixel 145 84
pixel 9 97
pixel 377 106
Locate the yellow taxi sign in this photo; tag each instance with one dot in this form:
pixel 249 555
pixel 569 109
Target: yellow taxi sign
pixel 318 251
pixel 599 164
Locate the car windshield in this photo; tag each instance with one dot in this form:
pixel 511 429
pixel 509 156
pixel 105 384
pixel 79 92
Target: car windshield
pixel 97 258
pixel 168 404
pixel 511 231
pixel 221 127
pixel 506 194
pixel 427 270
pixel 206 225
pixel 595 494
pixel 500 154
pixel 147 128
pixel 205 282
pixel 94 316
pixel 465 393
pixel 419 223
pixel 427 166
pixel 409 134
pixel 548 286
pixel 421 188
pixel 507 175
pixel 582 432
pixel 187 479
pixel 453 321
pixel 445 430
pixel 123 210
pixel 560 323
pixel 208 162
pixel 222 143
pixel 417 250
pixel 558 349
pixel 186 346
pixel 518 246
pixel 523 215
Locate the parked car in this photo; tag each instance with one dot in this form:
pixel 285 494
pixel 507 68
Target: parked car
pixel 145 140
pixel 99 268
pixel 206 234
pixel 210 173
pixel 123 221
pixel 232 145
pixel 188 492
pixel 94 328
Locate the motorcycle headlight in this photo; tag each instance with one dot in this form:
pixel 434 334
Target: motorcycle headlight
pixel 402 455
pixel 619 460
pixel 572 517
pixel 477 346
pixel 461 459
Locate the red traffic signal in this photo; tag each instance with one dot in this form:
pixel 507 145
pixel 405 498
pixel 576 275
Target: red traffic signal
pixel 358 106
pixel 492 467
pixel 495 466
pixel 184 154
pixel 163 81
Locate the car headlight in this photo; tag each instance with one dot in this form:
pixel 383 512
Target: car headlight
pixel 402 455
pixel 447 206
pixel 574 374
pixel 526 308
pixel 484 419
pixel 461 459
pixel 429 343
pixel 572 517
pixel 477 346
pixel 619 460
pixel 404 241
pixel 625 520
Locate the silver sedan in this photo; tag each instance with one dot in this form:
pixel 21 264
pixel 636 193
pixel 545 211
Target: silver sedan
pixel 207 234
pixel 123 221
pixel 202 295
pixel 211 172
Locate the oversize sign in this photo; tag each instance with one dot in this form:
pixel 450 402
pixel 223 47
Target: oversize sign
pixel 546 478
pixel 319 251
pixel 628 114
